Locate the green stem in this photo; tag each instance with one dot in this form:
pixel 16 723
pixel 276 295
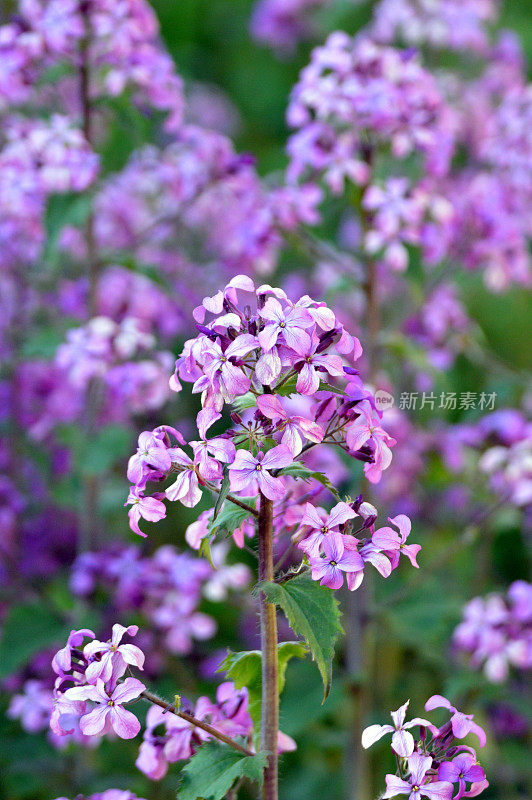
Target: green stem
pixel 270 664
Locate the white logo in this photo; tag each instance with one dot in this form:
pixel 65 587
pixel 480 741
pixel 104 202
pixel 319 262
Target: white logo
pixel 383 400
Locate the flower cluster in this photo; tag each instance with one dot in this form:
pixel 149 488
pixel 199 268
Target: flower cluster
pixel 94 704
pixel 178 739
pixel 399 214
pixel 119 42
pixel 282 24
pixel 355 94
pixel 440 326
pixel 450 24
pixel 496 632
pixel 272 360
pixel 434 765
pixel 120 357
pixel 166 588
pixel 39 158
pixel 504 439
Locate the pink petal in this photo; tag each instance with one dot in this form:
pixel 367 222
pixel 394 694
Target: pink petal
pixel 395 786
pixel 129 690
pixel 403 743
pixel 95 723
pixel 125 724
pixel 340 514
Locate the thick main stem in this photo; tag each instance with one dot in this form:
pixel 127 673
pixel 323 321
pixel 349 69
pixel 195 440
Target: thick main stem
pixel 270 664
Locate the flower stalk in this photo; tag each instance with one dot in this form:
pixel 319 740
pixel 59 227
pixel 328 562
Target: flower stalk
pixel 268 630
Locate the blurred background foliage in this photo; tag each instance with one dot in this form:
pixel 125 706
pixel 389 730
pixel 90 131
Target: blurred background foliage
pixel 413 615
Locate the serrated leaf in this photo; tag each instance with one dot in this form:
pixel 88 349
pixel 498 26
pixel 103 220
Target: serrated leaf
pixel 224 491
pixel 245 669
pixel 26 630
pixel 297 470
pixel 214 768
pixel 313 612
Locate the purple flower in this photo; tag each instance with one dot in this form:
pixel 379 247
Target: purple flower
pixel 109 714
pixel 221 370
pixel 152 455
pixel 392 543
pixel 319 528
pixel 186 486
pixel 415 787
pixel 220 448
pixel 462 724
pixel 62 661
pixel 114 656
pixel 251 475
pixel 294 428
pixel 309 363
pixel 149 508
pixel 366 430
pixel 402 740
pixel 461 769
pixel 289 323
pixel 338 559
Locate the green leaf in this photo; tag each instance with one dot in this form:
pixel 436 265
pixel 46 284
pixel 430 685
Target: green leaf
pixel 298 470
pixel 313 612
pixel 230 517
pixel 248 400
pixel 28 629
pixel 224 491
pixel 245 669
pixel 214 768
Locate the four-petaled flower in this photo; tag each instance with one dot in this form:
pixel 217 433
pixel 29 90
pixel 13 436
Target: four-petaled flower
pixel 393 543
pixel 309 363
pixel 460 770
pixel 320 528
pixel 220 448
pixel 414 786
pixel 220 368
pixel 108 713
pixel 114 656
pixel 461 724
pixel 62 661
pixel 402 740
pixel 149 508
pixel 294 428
pixel 250 474
pixel 338 559
pixel 288 323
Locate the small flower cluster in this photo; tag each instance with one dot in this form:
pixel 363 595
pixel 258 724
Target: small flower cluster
pixel 504 439
pixel 282 24
pixel 179 739
pixel 123 52
pixel 355 94
pixel 39 158
pixel 121 357
pixel 440 326
pixel 166 588
pixel 449 24
pixel 94 704
pixel 434 765
pixel 496 632
pixel 400 214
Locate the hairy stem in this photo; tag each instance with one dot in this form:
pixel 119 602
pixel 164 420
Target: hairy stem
pixel 152 698
pixel 270 666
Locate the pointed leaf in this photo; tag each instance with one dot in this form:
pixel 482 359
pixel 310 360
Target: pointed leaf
pixel 313 612
pixel 224 491
pixel 245 669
